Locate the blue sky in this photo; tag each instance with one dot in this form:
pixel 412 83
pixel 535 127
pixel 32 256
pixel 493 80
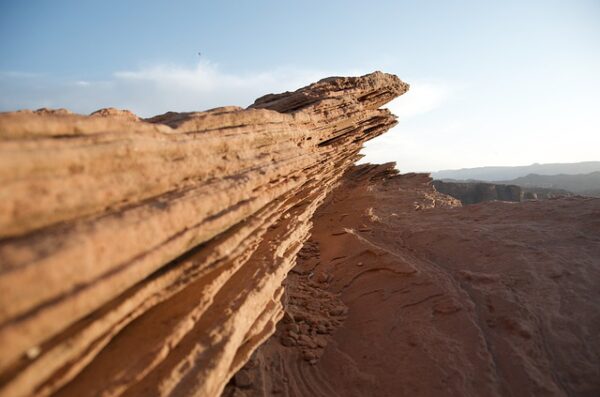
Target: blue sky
pixel 492 83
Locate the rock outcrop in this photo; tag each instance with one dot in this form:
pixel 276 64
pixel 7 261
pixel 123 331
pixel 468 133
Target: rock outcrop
pixel 146 257
pixel 401 291
pixel 477 192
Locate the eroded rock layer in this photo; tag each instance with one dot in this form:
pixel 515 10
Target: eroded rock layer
pixel 147 257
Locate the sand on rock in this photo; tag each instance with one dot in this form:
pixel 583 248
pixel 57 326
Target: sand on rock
pixel 425 297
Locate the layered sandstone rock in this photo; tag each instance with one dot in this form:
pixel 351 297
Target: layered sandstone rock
pixel 147 257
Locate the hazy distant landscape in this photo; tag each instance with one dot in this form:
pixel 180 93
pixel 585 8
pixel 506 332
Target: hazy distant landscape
pixel 584 184
pixel 581 178
pixel 507 172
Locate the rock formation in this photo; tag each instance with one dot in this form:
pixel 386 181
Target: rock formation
pixel 477 192
pixel 401 291
pixel 146 257
pixel 583 184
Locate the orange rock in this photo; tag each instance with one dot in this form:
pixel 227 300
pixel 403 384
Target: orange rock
pixel 146 257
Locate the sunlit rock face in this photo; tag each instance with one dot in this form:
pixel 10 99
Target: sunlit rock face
pixel 146 257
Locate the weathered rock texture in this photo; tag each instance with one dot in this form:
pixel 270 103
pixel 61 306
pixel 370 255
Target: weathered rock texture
pixel 401 291
pixel 147 257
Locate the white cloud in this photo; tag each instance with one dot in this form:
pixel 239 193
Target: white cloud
pixel 422 98
pixel 156 89
pixel 412 149
pixel 207 77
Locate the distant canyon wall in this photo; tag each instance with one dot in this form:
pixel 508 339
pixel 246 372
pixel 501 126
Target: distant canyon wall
pixel 146 257
pixel 477 192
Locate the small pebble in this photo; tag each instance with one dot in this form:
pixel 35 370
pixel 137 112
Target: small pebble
pixel 33 352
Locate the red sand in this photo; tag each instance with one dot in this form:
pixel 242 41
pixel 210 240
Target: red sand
pixel 402 292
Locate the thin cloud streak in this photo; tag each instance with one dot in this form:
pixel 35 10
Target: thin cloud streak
pixel 154 90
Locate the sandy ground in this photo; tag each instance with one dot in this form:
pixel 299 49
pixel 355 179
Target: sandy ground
pixel 403 292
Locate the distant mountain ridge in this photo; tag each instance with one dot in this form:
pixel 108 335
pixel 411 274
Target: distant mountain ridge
pixel 584 184
pixel 491 174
